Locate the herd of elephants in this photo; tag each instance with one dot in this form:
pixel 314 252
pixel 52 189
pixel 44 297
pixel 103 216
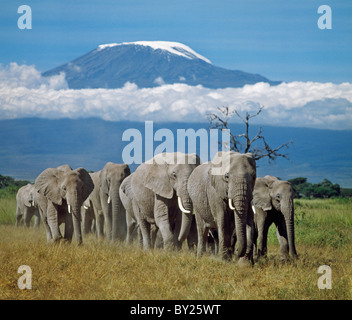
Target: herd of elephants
pixel 218 206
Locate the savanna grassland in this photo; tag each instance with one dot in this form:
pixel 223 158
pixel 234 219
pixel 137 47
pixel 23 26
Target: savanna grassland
pixel 98 270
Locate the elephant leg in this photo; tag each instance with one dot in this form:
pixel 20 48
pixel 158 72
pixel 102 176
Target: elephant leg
pixel 18 216
pixel 224 236
pixel 131 225
pixel 27 217
pixel 262 228
pixel 202 235
pixel 107 210
pixel 162 220
pixel 281 233
pixel 100 225
pixel 36 219
pixel 46 224
pixel 52 216
pixel 145 231
pixel 86 225
pixel 157 239
pixel 140 237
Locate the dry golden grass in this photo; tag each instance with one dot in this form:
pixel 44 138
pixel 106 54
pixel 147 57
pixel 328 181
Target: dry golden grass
pixel 98 270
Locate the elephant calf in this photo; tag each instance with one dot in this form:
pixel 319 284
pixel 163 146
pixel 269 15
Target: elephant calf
pixel 273 200
pixel 27 206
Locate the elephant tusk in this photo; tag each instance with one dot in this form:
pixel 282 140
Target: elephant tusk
pixel 109 200
pixel 231 205
pixel 253 208
pixel 181 206
pixel 85 207
pixel 69 209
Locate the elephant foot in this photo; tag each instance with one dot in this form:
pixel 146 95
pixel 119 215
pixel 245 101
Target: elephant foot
pixel 244 262
pixel 56 240
pixel 284 257
pixel 226 254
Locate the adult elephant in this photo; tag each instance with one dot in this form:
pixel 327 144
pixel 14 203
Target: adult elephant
pixel 160 194
pixel 61 193
pixel 27 206
pixel 273 200
pixel 106 201
pixel 221 193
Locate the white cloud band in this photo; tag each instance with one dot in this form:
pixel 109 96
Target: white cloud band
pixel 25 93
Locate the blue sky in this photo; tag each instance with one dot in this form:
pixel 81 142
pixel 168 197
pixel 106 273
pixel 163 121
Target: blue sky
pixel 279 39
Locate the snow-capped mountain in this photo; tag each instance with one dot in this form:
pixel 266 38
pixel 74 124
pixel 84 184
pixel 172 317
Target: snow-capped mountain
pixel 149 64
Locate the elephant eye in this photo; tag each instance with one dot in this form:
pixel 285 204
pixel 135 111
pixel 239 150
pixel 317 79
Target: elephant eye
pixel 226 176
pixel 173 174
pixel 64 187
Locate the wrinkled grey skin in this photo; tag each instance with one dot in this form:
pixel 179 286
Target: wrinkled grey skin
pixel 106 202
pixel 62 190
pixel 156 185
pixel 273 200
pixel 210 187
pixel 27 206
pixel 126 196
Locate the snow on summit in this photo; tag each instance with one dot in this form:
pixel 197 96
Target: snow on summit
pixel 172 47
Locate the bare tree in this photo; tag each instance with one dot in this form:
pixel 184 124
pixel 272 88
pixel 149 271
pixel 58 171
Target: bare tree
pixel 257 145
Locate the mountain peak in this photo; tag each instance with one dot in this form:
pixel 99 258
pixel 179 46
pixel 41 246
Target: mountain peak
pixel 149 64
pixel 172 47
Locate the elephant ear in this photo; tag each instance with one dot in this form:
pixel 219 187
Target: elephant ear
pixel 157 180
pixel 88 184
pixel 47 184
pixel 218 183
pixel 261 194
pixel 221 163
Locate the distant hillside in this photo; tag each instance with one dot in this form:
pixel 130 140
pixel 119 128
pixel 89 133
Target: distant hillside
pixel 28 146
pixel 149 64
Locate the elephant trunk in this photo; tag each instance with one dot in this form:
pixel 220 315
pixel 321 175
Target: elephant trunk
pixel 288 212
pixel 239 199
pixel 76 212
pixel 186 207
pixel 118 223
pixel 74 208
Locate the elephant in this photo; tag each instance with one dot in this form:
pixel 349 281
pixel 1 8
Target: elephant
pixel 27 206
pixel 273 200
pixel 126 196
pixel 106 202
pixel 61 193
pixel 221 192
pixel 161 199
